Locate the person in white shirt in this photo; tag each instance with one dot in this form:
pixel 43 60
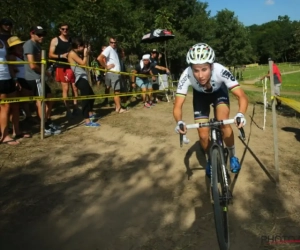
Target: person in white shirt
pixel 109 59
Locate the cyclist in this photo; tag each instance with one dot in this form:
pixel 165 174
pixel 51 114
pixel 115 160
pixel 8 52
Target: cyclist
pixel 210 82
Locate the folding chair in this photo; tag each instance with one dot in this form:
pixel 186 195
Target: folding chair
pixel 166 85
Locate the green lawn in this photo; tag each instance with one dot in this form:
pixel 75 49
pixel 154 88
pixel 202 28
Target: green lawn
pixel 290 82
pixel 261 70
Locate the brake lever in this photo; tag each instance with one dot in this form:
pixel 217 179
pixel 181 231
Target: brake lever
pixel 181 135
pixel 241 130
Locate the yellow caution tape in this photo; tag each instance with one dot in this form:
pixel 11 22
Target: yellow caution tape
pixel 39 98
pixel 290 102
pixel 100 69
pixel 18 62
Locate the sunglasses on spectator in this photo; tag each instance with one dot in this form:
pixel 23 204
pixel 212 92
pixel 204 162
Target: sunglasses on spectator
pixel 64 29
pixel 39 35
pixel 7 24
pixel 112 42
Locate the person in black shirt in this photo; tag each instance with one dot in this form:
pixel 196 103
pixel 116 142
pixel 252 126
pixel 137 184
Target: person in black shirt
pixel 58 51
pixel 156 70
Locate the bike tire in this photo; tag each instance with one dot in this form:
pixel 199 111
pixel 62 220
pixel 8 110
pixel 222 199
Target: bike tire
pixel 220 206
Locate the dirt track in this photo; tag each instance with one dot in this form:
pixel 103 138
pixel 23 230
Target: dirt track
pixel 128 185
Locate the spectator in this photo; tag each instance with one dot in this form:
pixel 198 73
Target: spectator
pixel 32 54
pixel 7 89
pixel 277 82
pixel 95 71
pixel 156 70
pixel 110 61
pixel 15 53
pixel 6 25
pixel 81 80
pixel 144 67
pixel 58 50
pixel 124 78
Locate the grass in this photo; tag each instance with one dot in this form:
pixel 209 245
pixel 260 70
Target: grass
pixel 290 82
pixel 261 70
pixel 255 96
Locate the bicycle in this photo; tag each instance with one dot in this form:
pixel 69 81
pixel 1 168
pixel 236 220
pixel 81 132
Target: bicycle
pixel 220 191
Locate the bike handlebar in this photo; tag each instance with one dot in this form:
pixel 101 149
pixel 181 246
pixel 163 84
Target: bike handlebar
pixel 211 124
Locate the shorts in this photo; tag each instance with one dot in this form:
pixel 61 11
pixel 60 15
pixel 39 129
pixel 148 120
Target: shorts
pixel 64 75
pixel 36 87
pixel 7 86
pixel 155 85
pixel 202 102
pixel 113 80
pixel 143 83
pixel 23 83
pixel 277 89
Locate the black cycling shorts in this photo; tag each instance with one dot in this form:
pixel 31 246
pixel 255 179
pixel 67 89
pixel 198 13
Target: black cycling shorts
pixel 36 87
pixel 202 102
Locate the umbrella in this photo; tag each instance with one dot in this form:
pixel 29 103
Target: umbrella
pixel 157 35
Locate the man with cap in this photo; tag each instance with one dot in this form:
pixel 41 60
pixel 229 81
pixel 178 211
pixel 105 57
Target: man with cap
pixel 144 68
pixel 32 54
pixel 5 29
pixel 155 70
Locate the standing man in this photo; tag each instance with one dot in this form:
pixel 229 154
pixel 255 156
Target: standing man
pixel 109 60
pixel 58 51
pixel 155 68
pixel 277 82
pixel 32 54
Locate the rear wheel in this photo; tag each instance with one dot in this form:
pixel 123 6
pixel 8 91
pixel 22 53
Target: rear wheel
pixel 220 194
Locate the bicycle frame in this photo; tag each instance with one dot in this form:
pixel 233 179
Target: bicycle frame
pixel 217 142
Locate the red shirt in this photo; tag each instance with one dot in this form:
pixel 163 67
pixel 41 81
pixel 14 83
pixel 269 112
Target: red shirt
pixel 276 73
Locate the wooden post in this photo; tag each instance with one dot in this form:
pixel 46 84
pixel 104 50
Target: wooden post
pixel 43 72
pixel 274 116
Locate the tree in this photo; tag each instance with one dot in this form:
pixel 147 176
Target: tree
pixel 232 43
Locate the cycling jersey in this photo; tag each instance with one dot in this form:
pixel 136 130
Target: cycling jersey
pixel 219 76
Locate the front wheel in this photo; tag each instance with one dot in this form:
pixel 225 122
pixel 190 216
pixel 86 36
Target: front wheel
pixel 219 197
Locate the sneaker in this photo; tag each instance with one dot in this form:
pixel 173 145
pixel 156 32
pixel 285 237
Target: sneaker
pixel 234 165
pixel 54 126
pixel 52 131
pixel 94 118
pixel 208 169
pixel 151 103
pixel 147 105
pixel 92 124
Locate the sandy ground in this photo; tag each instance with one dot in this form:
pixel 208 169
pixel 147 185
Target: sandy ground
pixel 128 185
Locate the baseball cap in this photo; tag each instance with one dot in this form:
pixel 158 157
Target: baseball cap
pixel 154 51
pixel 146 57
pixel 13 41
pixel 38 30
pixel 6 21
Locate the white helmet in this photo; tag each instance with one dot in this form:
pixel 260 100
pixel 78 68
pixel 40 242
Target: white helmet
pixel 200 53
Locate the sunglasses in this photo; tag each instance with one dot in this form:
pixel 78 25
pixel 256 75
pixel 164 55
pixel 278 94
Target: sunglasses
pixel 64 29
pixel 39 35
pixel 113 42
pixel 7 24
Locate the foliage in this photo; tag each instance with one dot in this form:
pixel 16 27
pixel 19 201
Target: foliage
pixel 189 20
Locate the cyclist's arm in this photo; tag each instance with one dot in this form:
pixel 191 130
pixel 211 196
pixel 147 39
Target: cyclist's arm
pixel 182 89
pixel 242 99
pixel 177 109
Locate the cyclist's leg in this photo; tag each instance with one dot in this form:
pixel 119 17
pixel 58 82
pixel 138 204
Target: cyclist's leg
pixel 201 105
pixel 221 103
